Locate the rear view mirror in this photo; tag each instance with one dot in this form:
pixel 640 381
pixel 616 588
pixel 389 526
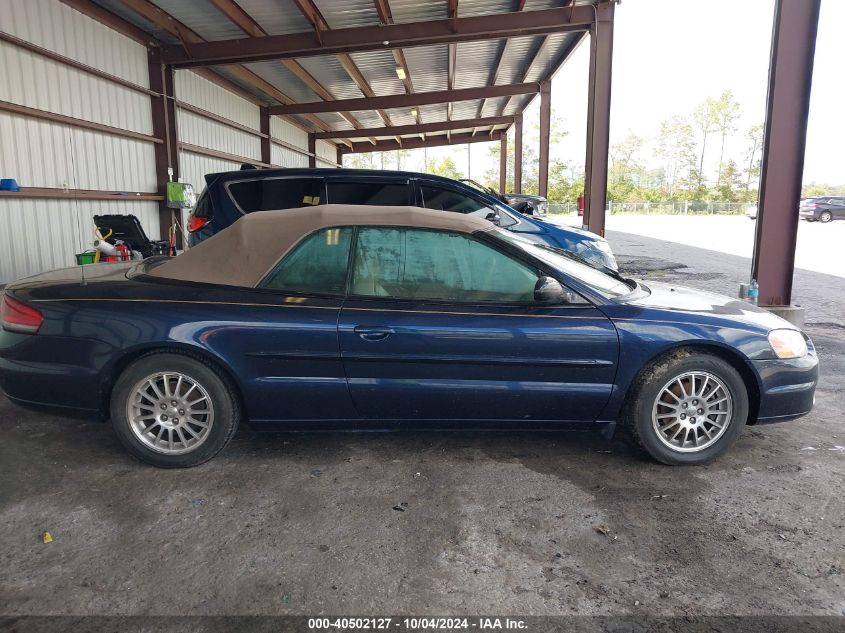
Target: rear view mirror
pixel 549 291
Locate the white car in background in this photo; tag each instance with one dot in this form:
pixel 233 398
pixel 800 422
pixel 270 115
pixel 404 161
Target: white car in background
pixel 751 212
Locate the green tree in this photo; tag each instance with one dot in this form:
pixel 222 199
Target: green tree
pixel 705 122
pixel 725 114
pixel 730 188
pixel 754 137
pixel 445 167
pixel 676 148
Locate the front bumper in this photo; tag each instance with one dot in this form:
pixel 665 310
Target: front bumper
pixel 787 387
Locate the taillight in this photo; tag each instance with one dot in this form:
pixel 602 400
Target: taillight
pixel 195 223
pixel 19 317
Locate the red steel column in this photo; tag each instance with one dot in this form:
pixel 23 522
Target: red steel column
pixel 266 145
pixel 598 119
pixel 339 158
pixel 312 151
pixel 163 109
pixel 781 172
pixel 517 155
pixel 503 164
pixel 545 127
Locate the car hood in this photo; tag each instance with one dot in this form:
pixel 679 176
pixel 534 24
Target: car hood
pixel 693 305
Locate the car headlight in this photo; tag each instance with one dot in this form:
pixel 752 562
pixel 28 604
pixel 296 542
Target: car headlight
pixel 788 343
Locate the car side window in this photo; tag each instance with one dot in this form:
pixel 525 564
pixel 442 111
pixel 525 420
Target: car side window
pixel 317 265
pixel 268 194
pixel 392 194
pixel 419 264
pixel 446 199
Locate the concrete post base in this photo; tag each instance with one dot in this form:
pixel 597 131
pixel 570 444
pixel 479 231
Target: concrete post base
pixel 793 314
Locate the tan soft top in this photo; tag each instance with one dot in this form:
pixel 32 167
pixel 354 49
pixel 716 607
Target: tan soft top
pixel 243 253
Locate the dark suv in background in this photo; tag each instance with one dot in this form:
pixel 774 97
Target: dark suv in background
pixel 525 203
pixel 822 209
pixel 229 195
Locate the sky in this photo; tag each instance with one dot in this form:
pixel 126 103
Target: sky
pixel 670 55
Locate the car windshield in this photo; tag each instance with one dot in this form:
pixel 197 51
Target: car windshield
pixel 569 263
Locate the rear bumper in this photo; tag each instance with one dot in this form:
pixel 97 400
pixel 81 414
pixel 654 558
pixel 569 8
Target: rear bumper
pixel 788 387
pixel 808 214
pixel 53 374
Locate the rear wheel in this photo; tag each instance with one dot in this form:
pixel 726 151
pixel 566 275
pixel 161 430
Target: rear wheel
pixel 825 217
pixel 688 408
pixel 173 411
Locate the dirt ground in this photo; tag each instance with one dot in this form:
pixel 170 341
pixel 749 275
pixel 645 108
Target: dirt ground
pixel 516 523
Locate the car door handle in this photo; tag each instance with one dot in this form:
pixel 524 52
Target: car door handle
pixel 373 333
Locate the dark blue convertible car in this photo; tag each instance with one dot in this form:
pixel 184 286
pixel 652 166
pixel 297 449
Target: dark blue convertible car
pixel 371 318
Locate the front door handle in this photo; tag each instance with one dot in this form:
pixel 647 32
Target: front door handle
pixel 372 333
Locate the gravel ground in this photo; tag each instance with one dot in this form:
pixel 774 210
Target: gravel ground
pixel 518 523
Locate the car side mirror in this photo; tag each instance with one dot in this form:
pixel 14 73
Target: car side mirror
pixel 493 217
pixel 548 290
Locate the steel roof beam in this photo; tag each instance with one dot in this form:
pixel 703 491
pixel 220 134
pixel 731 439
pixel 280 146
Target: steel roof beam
pixel 318 22
pixel 408 100
pixel 380 37
pixel 235 14
pixel 398 130
pixel 494 75
pixel 386 17
pixel 111 20
pixel 187 36
pixel 416 143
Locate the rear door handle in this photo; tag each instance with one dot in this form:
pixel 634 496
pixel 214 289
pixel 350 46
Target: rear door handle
pixel 369 333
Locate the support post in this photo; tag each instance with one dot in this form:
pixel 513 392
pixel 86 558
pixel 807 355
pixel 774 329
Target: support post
pixel 164 127
pixel 266 144
pixel 598 119
pixel 781 171
pixel 545 129
pixel 312 151
pixel 503 164
pixel 339 160
pixel 517 155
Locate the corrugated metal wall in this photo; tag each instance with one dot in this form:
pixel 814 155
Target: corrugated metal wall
pixel 40 234
pixel 289 133
pixel 326 154
pixel 201 131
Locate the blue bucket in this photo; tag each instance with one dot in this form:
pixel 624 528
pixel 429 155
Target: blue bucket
pixel 9 184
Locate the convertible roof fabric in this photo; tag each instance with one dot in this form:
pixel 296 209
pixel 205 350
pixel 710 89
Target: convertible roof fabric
pixel 243 253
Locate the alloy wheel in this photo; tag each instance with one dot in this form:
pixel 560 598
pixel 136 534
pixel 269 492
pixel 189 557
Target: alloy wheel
pixel 170 412
pixel 692 411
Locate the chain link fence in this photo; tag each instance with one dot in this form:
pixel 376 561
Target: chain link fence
pixel 659 208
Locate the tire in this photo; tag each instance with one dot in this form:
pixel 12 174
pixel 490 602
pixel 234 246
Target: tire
pixel 825 217
pixel 680 372
pixel 148 424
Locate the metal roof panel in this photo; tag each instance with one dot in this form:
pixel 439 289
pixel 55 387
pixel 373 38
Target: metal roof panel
pixel 277 17
pixel 343 14
pixel 203 17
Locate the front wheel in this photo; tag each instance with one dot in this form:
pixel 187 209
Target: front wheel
pixel 173 411
pixel 688 408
